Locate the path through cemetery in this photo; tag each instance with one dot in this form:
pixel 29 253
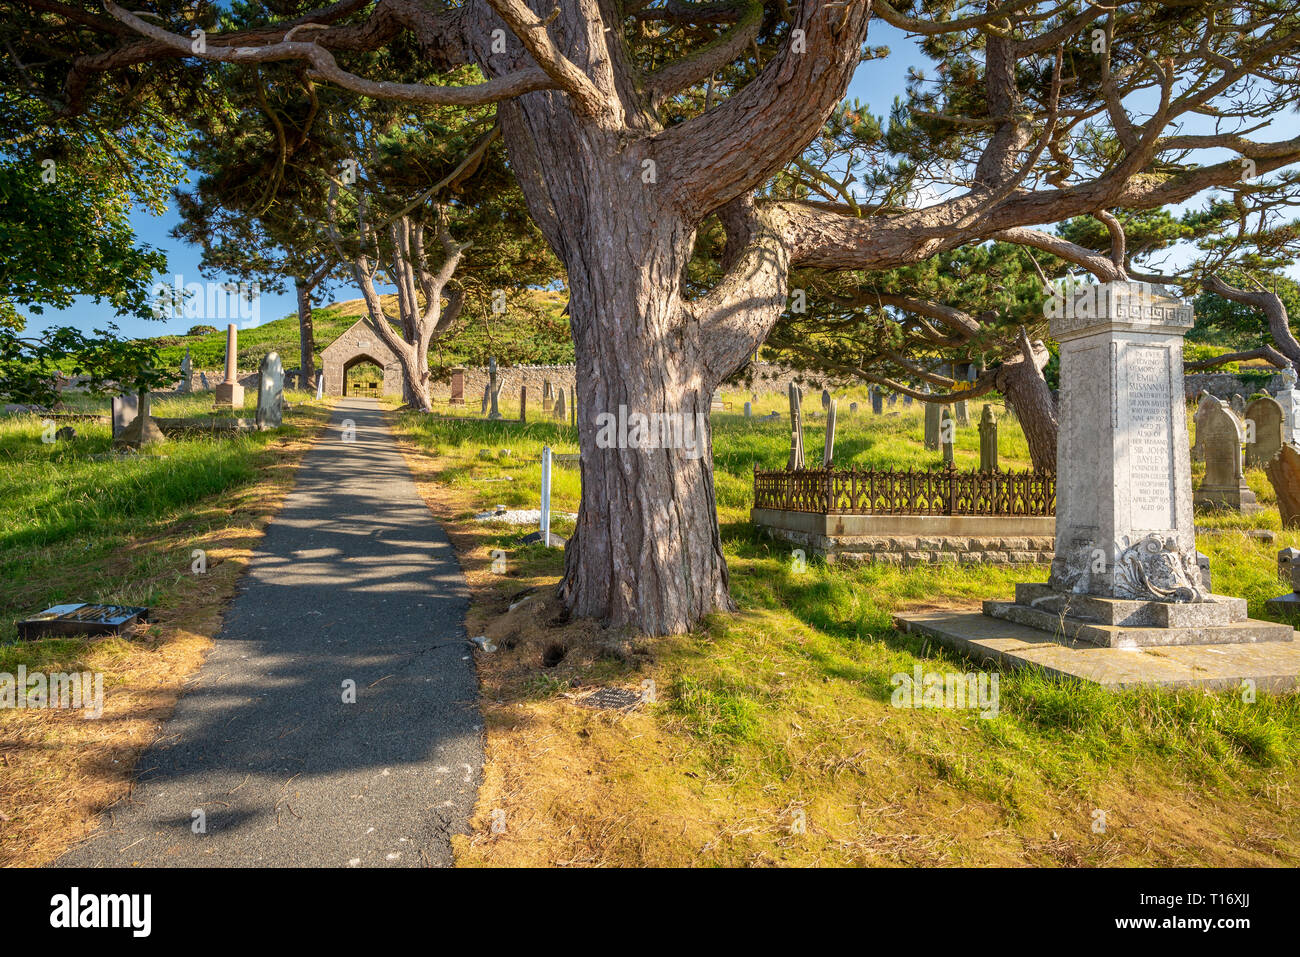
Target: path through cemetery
pixel 264 761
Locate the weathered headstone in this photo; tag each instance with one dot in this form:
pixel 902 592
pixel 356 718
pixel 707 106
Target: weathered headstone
pixel 1224 485
pixel 1264 423
pixel 826 399
pixel 185 371
pixel 203 380
pixel 125 408
pixel 270 392
pixel 796 428
pixel 947 434
pixel 877 400
pixel 960 413
pixel 932 413
pixel 487 391
pixel 893 399
pixel 494 388
pixel 457 387
pixel 548 396
pixel 1238 404
pixel 558 408
pixel 749 410
pixel 907 400
pixel 1288 559
pixel 1283 471
pixel 828 450
pixel 523 403
pixel 853 407
pixel 988 440
pixel 229 393
pixel 1203 405
pixel 142 430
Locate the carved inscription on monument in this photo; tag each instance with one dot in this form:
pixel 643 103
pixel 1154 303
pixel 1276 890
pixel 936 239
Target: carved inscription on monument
pixel 1150 460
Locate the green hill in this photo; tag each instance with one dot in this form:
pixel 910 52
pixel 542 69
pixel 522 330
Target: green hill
pixel 533 330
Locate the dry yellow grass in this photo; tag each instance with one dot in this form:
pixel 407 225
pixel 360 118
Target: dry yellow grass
pixel 61 771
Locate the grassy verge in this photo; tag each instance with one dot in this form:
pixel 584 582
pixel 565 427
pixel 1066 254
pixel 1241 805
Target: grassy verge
pixel 82 525
pixel 772 739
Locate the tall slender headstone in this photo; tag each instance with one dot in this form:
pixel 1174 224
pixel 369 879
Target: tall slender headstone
pixel 270 392
pixel 988 440
pixel 960 413
pixel 494 389
pixel 877 400
pixel 1126 572
pixel 932 413
pixel 186 371
pixel 947 434
pixel 548 396
pixel 487 391
pixel 828 449
pixel 796 428
pixel 1265 421
pixel 320 387
pixel 1224 484
pixel 229 393
pixel 558 408
pixel 749 409
pixel 523 403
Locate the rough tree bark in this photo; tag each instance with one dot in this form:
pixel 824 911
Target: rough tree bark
pixel 306 336
pixel 1021 381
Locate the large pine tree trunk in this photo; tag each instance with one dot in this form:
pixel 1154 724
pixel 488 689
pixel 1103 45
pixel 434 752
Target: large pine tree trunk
pixel 646 553
pixel 1026 391
pixel 306 336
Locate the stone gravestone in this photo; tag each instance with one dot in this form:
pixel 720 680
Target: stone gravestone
pixel 1283 471
pixel 893 399
pixel 185 371
pixel 932 413
pixel 203 380
pixel 877 400
pixel 796 428
pixel 907 400
pixel 548 396
pixel 1265 419
pixel 457 387
pixel 1238 403
pixel 1288 559
pixel 494 389
pixel 962 416
pixel 487 391
pixel 230 394
pixel 947 433
pixel 559 405
pixel 749 410
pixel 1126 572
pixel 1203 405
pixel 142 430
pixel 826 399
pixel 988 440
pixel 270 392
pixel 523 403
pixel 1224 485
pixel 125 408
pixel 828 450
pixel 853 407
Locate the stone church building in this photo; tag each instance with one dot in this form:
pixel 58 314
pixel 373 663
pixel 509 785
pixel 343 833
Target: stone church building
pixel 359 344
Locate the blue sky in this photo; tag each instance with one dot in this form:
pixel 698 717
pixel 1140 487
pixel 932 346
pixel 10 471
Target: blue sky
pixel 876 83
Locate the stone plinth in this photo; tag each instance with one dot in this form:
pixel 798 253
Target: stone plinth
pixel 229 395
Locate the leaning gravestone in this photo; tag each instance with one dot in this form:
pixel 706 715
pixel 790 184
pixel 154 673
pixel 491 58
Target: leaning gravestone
pixel 1265 419
pixel 932 414
pixel 1203 406
pixel 1126 572
pixel 270 392
pixel 1283 471
pixel 988 440
pixel 796 428
pixel 125 408
pixel 1224 485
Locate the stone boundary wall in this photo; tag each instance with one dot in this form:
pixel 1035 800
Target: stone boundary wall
pixel 247 379
pixel 767 377
pixel 1224 385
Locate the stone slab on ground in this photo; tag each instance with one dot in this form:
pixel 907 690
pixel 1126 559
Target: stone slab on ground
pixel 1272 665
pixel 354 585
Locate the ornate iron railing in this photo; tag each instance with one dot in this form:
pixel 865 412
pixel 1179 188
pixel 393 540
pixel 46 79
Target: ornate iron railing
pixel 943 491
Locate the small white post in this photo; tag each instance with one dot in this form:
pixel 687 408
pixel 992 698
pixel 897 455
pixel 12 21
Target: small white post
pixel 546 495
pixel 320 385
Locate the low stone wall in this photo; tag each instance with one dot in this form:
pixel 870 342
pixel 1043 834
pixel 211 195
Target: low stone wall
pixel 914 539
pixel 247 379
pixel 1224 385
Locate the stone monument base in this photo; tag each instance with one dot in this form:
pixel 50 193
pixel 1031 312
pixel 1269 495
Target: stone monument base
pixel 1226 497
pixel 1123 623
pixel 229 394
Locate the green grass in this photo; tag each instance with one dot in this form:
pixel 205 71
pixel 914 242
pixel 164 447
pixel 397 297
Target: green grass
pixel 71 507
pixel 789 701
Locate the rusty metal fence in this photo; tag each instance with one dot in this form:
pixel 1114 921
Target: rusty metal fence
pixel 945 491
